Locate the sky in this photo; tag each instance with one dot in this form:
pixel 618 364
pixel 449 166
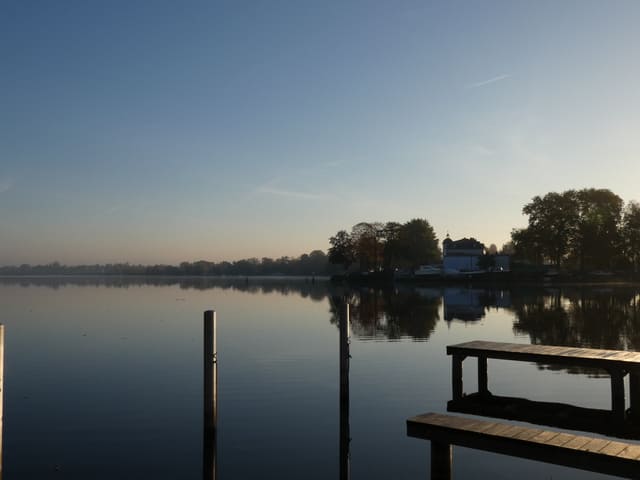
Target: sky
pixel 162 131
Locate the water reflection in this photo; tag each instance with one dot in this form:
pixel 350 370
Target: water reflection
pixel 389 314
pixel 315 289
pixel 584 317
pixel 278 348
pixel 595 317
pixel 469 304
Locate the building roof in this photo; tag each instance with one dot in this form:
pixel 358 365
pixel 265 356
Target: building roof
pixel 463 244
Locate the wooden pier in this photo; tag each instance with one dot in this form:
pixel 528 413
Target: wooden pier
pixel 552 414
pixel 577 451
pixel 617 363
pixel 601 455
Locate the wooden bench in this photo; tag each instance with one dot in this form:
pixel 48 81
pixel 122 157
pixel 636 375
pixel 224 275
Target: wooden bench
pixel 617 363
pixel 577 451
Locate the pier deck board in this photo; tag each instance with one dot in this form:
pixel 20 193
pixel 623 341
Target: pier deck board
pixel 588 357
pixel 586 453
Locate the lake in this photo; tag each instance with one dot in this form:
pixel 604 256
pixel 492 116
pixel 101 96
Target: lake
pixel 103 377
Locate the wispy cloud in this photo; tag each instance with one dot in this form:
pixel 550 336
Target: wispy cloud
pixel 488 81
pixel 113 209
pixel 6 184
pixel 331 164
pixel 299 176
pixel 291 194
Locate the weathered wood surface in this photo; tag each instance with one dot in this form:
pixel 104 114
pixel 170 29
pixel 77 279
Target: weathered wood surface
pixel 586 453
pixel 587 357
pixel 552 414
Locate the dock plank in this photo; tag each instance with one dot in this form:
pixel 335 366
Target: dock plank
pixel 561 448
pixel 598 358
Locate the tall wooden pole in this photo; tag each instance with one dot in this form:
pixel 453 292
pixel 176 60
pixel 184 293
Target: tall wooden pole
pixel 210 396
pixel 345 470
pixel 210 370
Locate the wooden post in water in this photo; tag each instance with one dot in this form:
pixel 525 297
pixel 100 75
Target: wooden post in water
pixel 456 376
pixel 209 455
pixel 634 395
pixel 345 469
pixel 210 371
pixel 483 378
pixel 617 394
pixel 210 396
pixel 441 460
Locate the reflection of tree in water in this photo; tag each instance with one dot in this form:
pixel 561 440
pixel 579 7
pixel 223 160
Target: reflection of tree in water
pixel 316 290
pixel 388 313
pixel 580 317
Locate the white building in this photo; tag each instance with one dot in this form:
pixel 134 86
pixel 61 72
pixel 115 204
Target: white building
pixel 463 256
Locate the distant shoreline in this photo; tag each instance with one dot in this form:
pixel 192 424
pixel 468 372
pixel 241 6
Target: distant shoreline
pixel 352 282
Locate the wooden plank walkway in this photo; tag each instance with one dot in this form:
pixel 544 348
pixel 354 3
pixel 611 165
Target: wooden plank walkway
pixel 617 363
pixel 586 453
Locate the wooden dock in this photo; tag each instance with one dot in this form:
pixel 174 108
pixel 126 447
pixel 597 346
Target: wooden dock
pixel 577 451
pixel 617 363
pixel 552 414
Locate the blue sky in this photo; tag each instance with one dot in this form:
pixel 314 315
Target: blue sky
pixel 167 131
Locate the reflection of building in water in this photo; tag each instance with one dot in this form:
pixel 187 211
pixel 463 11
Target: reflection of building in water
pixel 468 304
pixel 462 304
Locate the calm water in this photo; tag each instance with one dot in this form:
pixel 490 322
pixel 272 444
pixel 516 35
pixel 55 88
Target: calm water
pixel 103 378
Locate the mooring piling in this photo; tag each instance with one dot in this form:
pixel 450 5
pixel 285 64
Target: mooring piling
pixel 344 395
pixel 210 397
pixel 210 371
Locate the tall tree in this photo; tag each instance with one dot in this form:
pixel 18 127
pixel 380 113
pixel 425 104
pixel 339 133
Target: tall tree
pixel 597 235
pixel 630 233
pixel 418 243
pixel 526 245
pixel 367 241
pixel 553 220
pixel 391 250
pixel 342 251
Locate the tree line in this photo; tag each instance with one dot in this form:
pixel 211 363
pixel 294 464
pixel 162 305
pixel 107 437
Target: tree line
pixel 580 230
pixel 313 263
pixel 381 246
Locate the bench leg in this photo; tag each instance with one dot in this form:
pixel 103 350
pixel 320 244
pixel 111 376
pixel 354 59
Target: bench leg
pixel 456 376
pixel 617 394
pixel 441 459
pixel 483 378
pixel 634 395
